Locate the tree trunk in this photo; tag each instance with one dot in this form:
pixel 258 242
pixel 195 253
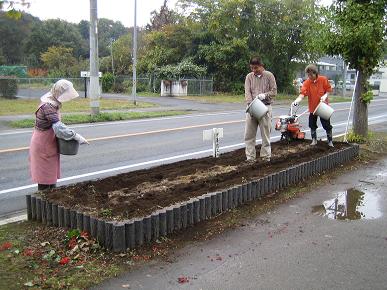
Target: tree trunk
pixel 360 114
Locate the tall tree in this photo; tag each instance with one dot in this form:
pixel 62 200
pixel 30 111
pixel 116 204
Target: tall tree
pixel 357 31
pixel 278 31
pixel 54 32
pixel 167 46
pixel 58 58
pixel 13 36
pixel 163 17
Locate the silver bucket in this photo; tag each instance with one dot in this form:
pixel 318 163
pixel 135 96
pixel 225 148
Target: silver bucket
pixel 257 109
pixel 68 147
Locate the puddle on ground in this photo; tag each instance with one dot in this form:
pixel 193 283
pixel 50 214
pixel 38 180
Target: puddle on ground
pixel 382 174
pixel 350 205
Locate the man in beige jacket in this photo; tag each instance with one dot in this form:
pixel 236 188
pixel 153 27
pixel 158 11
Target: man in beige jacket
pixel 259 84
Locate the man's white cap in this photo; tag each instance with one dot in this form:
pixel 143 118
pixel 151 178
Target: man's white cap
pixel 62 91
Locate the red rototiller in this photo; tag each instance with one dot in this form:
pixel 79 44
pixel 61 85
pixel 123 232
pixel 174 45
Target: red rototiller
pixel 289 126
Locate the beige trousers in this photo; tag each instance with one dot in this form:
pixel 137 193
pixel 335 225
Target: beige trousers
pixel 251 134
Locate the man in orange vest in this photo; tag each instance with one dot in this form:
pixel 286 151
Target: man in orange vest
pixel 316 88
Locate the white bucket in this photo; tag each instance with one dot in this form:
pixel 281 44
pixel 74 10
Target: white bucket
pixel 323 111
pixel 257 109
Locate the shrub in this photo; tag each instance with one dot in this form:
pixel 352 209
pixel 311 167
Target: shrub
pixel 237 88
pixel 118 88
pixel 107 82
pixel 8 88
pixel 141 87
pixel 355 138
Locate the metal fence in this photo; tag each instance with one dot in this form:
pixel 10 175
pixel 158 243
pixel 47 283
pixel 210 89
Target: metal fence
pixel 35 87
pixel 195 87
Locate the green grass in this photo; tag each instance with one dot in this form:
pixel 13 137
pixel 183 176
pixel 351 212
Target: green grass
pixel 20 270
pixel 10 275
pixel 23 106
pixel 102 117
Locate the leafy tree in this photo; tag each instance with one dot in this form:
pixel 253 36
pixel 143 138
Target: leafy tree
pixel 180 71
pixel 169 45
pixel 278 31
pixel 60 62
pixel 84 29
pixel 108 30
pixel 57 57
pixel 54 32
pixel 13 36
pixel 122 54
pixel 357 32
pixel 11 8
pixel 162 18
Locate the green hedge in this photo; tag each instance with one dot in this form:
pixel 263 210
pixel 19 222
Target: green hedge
pixel 8 88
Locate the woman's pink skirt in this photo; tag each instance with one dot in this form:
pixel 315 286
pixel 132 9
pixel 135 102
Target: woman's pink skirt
pixel 44 157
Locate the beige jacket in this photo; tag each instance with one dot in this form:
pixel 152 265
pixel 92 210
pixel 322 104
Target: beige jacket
pixel 255 85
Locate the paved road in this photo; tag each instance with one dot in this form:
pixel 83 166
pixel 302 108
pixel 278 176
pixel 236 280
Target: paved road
pixel 130 145
pixel 289 248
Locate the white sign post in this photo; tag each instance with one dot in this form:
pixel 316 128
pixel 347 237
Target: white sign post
pixel 85 75
pixel 213 134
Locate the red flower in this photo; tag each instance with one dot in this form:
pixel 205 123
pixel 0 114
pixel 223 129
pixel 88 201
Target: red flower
pixel 64 261
pixel 5 246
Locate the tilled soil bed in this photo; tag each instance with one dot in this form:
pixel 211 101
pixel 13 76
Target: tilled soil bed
pixel 139 193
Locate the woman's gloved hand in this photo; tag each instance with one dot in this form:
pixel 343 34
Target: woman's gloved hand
pixel 80 139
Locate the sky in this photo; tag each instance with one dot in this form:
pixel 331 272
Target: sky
pixel 77 10
pixel 116 10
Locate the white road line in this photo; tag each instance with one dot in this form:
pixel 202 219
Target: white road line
pixel 130 121
pixel 15 219
pixel 13 132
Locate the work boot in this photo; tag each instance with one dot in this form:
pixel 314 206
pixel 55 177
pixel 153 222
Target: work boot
pixel 330 138
pixel 314 142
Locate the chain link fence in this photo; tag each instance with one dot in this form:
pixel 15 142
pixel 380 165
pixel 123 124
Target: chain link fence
pixel 36 87
pixel 195 87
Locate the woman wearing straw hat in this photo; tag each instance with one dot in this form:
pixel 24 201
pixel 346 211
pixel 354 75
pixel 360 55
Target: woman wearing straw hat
pixel 44 157
pixel 316 88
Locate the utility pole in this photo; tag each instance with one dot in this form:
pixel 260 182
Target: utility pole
pixel 134 89
pixel 344 77
pixel 111 52
pixel 94 67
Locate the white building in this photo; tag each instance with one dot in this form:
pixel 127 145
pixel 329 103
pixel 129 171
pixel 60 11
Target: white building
pixel 379 78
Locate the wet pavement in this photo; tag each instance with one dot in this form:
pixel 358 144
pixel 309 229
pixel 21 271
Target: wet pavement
pixel 293 247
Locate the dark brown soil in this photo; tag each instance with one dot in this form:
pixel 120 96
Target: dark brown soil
pixel 139 193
